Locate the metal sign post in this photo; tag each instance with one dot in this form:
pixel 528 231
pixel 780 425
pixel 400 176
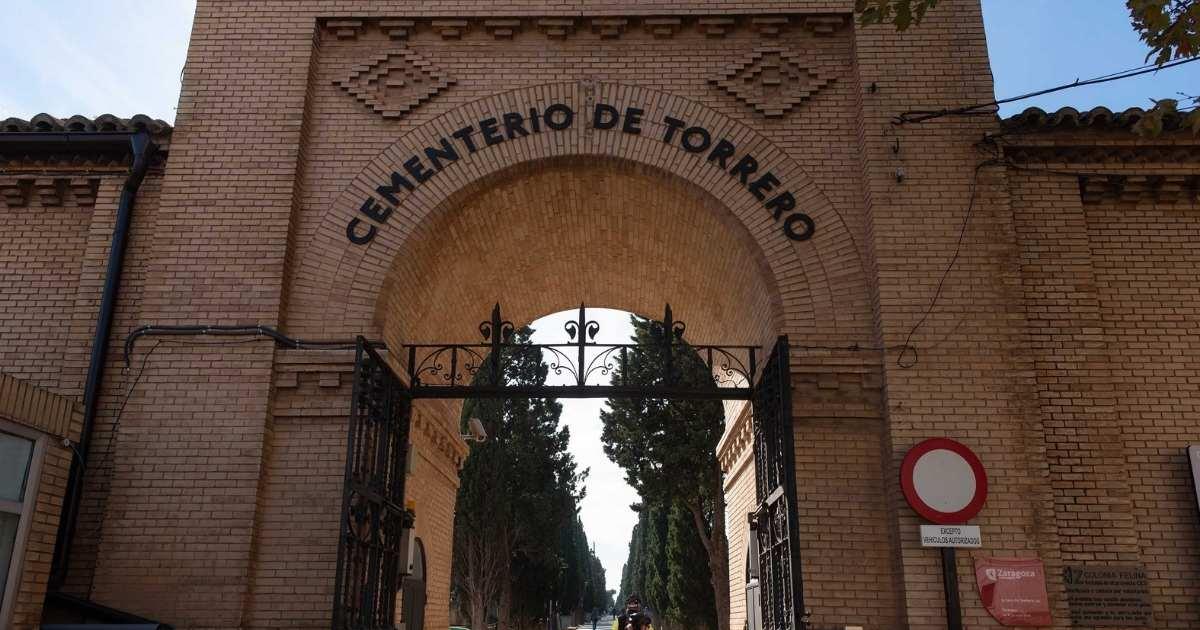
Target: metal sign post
pixel 950 586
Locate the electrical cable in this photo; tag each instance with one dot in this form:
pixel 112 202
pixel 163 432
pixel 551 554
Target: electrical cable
pixel 146 359
pixel 909 355
pixel 133 385
pixel 907 348
pixel 970 110
pixel 257 331
pixel 116 428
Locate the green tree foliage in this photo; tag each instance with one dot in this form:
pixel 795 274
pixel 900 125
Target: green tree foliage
pixel 632 572
pixel 646 570
pixel 654 589
pixel 580 587
pixel 667 567
pixel 599 598
pixel 1170 28
pixel 515 487
pixel 667 449
pixel 902 13
pixel 691 595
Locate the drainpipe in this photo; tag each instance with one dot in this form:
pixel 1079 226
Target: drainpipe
pixel 142 150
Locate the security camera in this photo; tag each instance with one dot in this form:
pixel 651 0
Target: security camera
pixel 477 432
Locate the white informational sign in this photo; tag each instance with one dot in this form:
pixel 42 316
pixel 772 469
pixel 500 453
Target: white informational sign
pixel 950 536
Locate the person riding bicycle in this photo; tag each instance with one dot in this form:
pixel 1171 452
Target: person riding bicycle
pixel 633 618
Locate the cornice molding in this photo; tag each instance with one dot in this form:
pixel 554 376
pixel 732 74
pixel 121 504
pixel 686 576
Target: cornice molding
pixel 1086 153
pixel 19 192
pixel 738 440
pixel 446 442
pixel 503 27
pixel 1140 187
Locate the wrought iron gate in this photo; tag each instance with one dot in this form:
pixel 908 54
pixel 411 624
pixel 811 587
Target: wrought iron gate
pixel 370 565
pixel 370 546
pixel 781 589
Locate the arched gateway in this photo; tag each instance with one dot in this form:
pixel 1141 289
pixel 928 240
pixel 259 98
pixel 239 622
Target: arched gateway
pixel 541 196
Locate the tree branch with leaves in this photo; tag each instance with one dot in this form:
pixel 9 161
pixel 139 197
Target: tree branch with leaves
pixel 1170 28
pixel 667 448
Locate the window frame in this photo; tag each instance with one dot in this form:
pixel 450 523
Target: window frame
pixel 24 511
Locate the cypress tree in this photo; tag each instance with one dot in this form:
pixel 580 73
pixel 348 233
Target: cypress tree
pixel 519 484
pixel 691 593
pixel 655 596
pixel 667 448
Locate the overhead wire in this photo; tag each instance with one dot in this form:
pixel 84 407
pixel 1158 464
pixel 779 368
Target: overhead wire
pixel 908 355
pixel 906 349
pixel 971 110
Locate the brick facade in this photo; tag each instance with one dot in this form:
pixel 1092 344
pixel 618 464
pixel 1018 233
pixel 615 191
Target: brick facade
pixel 1060 348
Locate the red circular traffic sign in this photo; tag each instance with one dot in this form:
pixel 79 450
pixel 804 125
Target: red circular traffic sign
pixel 943 481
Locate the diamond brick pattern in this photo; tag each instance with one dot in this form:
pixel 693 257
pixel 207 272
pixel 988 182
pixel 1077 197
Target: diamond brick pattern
pixel 396 82
pixel 772 80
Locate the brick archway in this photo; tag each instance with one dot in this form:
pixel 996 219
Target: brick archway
pixel 817 286
pixel 542 236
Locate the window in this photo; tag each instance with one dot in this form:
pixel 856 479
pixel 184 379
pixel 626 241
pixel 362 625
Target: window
pixel 20 454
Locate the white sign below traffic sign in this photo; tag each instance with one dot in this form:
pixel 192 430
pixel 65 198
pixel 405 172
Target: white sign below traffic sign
pixel 951 536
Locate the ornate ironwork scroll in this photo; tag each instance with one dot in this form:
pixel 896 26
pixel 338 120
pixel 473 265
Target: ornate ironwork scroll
pixel 451 370
pixel 369 565
pixel 781 588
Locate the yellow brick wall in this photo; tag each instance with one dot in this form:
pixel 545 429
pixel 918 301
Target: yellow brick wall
pixel 1058 349
pixel 739 502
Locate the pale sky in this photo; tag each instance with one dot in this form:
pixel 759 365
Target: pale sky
pixel 605 512
pixel 125 57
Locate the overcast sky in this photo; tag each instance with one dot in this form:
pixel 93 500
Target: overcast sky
pixel 125 57
pixel 605 511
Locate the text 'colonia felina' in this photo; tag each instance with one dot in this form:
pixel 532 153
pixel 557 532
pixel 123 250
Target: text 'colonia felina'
pixel 718 152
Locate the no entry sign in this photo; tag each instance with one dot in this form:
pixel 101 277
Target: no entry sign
pixel 943 481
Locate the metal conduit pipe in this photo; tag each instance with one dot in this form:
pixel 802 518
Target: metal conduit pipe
pixel 142 149
pixel 238 330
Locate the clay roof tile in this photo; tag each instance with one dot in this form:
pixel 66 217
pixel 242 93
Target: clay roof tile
pixel 103 122
pixel 1099 118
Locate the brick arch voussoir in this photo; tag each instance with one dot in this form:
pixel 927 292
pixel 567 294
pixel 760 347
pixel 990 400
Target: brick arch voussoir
pixel 348 278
